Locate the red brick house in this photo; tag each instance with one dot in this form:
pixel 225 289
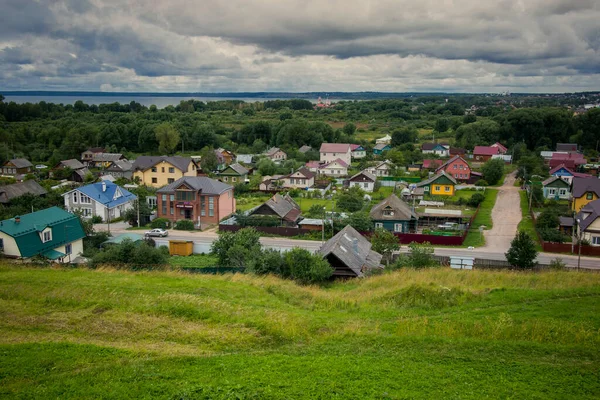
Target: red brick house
pixel 457 168
pixel 483 153
pixel 200 199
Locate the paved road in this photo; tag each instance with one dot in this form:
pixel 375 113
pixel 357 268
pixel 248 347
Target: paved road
pixel 204 239
pixel 506 216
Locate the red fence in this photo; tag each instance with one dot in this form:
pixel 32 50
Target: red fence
pixel 275 230
pixel 407 238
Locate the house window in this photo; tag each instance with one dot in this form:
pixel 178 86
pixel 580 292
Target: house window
pixel 171 170
pixel 184 195
pixel 85 199
pixel 233 179
pixel 47 236
pixel 388 213
pixel 68 249
pixel 366 185
pixel 211 206
pixel 164 197
pixel 171 197
pixel 596 240
pixel 162 170
pixel 154 180
pixel 170 180
pixel 552 191
pixel 589 196
pixel 1 244
pixel 460 166
pixel 447 188
pixel 397 227
pixel 378 225
pixel 86 212
pixel 438 188
pixel 456 175
pixel 426 189
pixel 74 197
pixel 562 192
pixel 153 169
pixel 172 210
pixel 455 166
pixel 164 209
pixel 225 179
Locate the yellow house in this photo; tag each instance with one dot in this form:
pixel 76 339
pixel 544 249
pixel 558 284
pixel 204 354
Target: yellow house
pixel 441 184
pixel 161 171
pixel 584 191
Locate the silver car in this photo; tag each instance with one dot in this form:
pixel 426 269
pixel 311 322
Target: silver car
pixel 158 232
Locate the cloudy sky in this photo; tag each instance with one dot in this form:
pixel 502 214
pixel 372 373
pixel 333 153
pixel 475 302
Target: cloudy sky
pixel 281 45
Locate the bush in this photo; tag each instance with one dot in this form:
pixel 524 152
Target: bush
pixel 476 199
pixel 522 252
pixel 163 223
pixel 482 182
pixel 552 235
pixel 96 219
pixel 420 256
pixel 305 267
pixel 184 225
pixel 139 255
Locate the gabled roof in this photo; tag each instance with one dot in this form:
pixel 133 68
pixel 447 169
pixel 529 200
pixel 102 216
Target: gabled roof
pixel 9 192
pixel 120 165
pixel 304 149
pixel 457 151
pixel 105 193
pixel 366 173
pixel 237 168
pixel 356 147
pixel 353 250
pixel 382 163
pixel 581 186
pixel 553 179
pixel 203 183
pixel 337 160
pixel 485 150
pixel 20 163
pixel 401 210
pixel 143 163
pixel 82 172
pixel 72 163
pixel 441 174
pixel 304 172
pixel 313 164
pixel 271 152
pixel 95 150
pixel 431 146
pixel 450 161
pixel 569 170
pixel 105 157
pixel 284 207
pixel 593 209
pixel 381 146
pixel 431 164
pixel 566 146
pixel 244 158
pixel 499 145
pixel 334 148
pixel 66 228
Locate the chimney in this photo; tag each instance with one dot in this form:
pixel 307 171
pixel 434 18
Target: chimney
pixel 103 186
pixel 17 219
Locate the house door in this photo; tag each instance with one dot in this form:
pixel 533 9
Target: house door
pixel 188 213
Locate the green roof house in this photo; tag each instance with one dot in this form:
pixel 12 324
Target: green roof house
pixel 234 173
pixel 52 233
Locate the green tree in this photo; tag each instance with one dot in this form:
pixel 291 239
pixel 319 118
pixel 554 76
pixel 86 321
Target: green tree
pixel 167 137
pixel 407 134
pixel 350 200
pixel 442 125
pixel 522 252
pixel 236 249
pixel 305 267
pixel 266 166
pixel 421 255
pixel 385 243
pixel 361 221
pixel 208 160
pixel 349 129
pixel 493 171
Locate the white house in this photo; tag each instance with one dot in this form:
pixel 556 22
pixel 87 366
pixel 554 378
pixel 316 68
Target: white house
pixel 387 139
pixel 334 151
pixel 364 180
pixel 384 168
pixel 105 199
pixel 357 151
pixel 334 168
pixel 301 179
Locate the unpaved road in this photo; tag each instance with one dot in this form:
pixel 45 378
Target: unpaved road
pixel 506 216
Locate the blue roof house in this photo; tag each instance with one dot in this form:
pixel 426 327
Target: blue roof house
pixel 52 233
pixel 105 199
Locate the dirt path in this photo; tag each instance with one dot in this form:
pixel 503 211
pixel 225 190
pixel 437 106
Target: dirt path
pixel 506 216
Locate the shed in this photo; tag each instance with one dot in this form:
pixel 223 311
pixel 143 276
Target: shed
pixel 181 247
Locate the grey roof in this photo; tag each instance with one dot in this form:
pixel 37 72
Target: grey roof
pixel 143 163
pixel 120 165
pixel 433 178
pixel 103 157
pixel 401 210
pixel 9 192
pixel 272 151
pixel 381 146
pixel 203 183
pixel 285 207
pixel 304 149
pixel 593 209
pixel 82 172
pixel 244 158
pixel 238 169
pixel 365 173
pixel 583 185
pixel 552 179
pixel 353 250
pixel 72 163
pixel 566 221
pixel 21 163
pixel 566 146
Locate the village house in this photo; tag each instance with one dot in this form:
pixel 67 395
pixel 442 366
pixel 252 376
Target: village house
pixel 501 148
pixel 16 190
pixel 200 199
pixel 313 166
pixel 382 169
pixel 120 169
pixel 439 149
pixel 244 159
pixel 364 180
pixel 87 155
pixel 78 171
pixel 566 147
pixel 158 171
pixel 274 182
pixel 457 168
pixel 457 151
pixel 379 149
pixel 335 151
pixel 567 174
pixel 482 154
pixel 103 160
pixel 441 184
pixel 52 233
pixel 276 155
pixel 234 173
pixel 334 168
pixel 228 156
pixel 432 164
pixel 394 215
pixel 282 207
pixel 17 168
pixel 387 139
pixel 301 179
pixel 304 149
pixel 357 152
pixel 589 222
pixel 556 188
pixel 103 199
pixel 350 254
pixel 584 191
pixel 569 160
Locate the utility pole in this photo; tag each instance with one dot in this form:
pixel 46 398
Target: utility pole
pixel 530 194
pixel 138 212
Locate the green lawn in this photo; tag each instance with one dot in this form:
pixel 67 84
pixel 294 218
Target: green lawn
pixel 484 217
pixel 193 261
pixel 76 333
pixel 526 223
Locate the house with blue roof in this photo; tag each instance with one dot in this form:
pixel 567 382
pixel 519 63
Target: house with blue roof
pixel 52 233
pixel 104 199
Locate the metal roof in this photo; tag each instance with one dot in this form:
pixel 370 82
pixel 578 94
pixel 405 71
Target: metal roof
pixel 401 210
pixel 20 163
pixel 105 193
pixel 9 192
pixel 335 148
pixel 143 163
pixel 353 250
pixel 198 183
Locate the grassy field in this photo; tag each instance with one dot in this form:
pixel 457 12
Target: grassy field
pixel 75 333
pixel 193 261
pixel 526 223
pixel 484 217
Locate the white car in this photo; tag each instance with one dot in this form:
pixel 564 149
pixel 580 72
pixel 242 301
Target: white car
pixel 158 232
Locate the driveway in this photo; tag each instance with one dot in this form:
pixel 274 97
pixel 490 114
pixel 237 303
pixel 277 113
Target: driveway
pixel 506 216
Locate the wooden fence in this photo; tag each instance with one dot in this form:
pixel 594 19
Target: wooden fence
pixel 274 230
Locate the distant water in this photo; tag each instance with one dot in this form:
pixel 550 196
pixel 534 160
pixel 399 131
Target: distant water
pixel 160 102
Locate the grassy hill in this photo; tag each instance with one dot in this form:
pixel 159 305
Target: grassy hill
pixel 75 333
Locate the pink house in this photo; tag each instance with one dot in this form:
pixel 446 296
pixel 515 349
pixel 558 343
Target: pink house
pixel 457 168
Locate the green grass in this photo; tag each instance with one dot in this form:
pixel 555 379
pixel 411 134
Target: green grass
pixel 484 217
pixel 75 333
pixel 193 261
pixel 526 223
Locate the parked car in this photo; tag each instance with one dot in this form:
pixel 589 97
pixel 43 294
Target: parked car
pixel 158 232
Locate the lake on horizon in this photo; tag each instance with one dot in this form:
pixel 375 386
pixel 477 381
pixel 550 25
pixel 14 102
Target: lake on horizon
pixel 158 101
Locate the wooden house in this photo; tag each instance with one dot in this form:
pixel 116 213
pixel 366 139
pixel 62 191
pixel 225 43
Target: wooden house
pixel 394 215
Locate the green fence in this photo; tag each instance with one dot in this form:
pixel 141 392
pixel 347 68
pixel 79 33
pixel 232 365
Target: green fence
pixel 411 179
